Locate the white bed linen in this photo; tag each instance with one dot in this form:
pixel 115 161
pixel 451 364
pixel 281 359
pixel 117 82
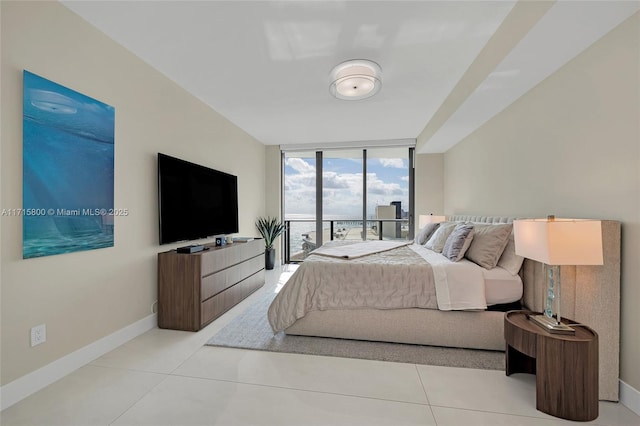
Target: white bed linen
pixel 501 286
pixel 459 285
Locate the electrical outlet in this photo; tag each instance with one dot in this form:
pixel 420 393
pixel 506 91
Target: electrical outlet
pixel 38 334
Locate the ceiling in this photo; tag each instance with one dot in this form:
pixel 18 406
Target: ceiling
pixel 265 65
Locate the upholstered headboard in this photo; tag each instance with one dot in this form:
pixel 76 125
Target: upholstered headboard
pixel 590 295
pixel 481 219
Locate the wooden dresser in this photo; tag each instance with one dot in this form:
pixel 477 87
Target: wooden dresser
pixel 194 289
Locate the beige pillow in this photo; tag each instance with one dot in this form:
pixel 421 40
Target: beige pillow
pixel 439 238
pixel 458 242
pixel 426 232
pixel 488 244
pixel 509 259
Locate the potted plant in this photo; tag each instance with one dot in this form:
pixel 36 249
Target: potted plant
pixel 270 228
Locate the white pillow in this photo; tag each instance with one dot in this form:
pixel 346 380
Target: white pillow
pixel 509 259
pixel 439 238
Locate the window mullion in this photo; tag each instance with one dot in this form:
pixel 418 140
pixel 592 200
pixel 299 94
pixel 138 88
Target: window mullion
pixel 319 216
pixel 364 194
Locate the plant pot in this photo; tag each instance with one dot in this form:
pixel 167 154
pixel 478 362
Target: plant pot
pixel 269 258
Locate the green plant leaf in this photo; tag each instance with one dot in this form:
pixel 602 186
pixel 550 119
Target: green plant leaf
pixel 270 228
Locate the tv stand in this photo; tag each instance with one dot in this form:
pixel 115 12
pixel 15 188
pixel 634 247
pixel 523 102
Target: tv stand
pixel 196 288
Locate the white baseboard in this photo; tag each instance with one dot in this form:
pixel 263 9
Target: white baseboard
pixel 630 397
pixel 30 383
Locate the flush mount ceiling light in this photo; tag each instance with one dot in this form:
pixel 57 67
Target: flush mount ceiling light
pixel 355 79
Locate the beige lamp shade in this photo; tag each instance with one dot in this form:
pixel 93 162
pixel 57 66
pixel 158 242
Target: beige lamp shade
pixel 424 219
pixel 559 241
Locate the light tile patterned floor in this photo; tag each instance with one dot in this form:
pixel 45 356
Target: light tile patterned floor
pixel 166 377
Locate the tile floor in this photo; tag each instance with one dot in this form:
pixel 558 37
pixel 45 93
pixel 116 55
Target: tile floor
pixel 166 377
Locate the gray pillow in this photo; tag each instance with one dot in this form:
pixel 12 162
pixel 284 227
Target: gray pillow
pixel 439 238
pixel 426 233
pixel 488 244
pixel 458 242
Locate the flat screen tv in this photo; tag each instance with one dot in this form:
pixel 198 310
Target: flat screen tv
pixel 195 201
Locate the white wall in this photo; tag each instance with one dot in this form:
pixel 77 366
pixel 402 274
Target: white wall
pixel 273 191
pixel 429 191
pixel 569 147
pixel 82 297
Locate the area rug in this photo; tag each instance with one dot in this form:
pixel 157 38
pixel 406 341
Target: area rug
pixel 251 330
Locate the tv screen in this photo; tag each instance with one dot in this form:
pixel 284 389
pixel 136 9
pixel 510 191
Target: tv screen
pixel 195 201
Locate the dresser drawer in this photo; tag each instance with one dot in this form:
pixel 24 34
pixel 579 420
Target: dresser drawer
pixel 219 258
pixel 222 302
pixel 221 280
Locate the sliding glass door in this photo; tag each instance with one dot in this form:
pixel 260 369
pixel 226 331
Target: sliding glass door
pixel 351 195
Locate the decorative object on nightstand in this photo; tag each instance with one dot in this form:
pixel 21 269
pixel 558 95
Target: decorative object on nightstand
pixel 556 242
pixel 424 219
pixel 270 228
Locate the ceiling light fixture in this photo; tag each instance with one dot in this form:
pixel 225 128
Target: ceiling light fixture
pixel 355 79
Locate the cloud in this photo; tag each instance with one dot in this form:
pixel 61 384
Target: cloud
pixel 299 165
pixel 333 180
pixel 377 186
pixel 342 193
pixel 397 163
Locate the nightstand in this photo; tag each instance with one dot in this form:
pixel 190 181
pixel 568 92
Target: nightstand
pixel 565 365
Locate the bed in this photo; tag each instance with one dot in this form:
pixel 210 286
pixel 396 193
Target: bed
pixel 319 311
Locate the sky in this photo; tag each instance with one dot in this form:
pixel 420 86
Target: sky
pixel 387 180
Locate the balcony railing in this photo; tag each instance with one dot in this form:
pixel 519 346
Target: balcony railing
pixel 305 241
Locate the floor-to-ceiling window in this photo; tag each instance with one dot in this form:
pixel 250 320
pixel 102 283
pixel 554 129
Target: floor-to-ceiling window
pixel 345 194
pixel 342 200
pixel 388 193
pixel 299 197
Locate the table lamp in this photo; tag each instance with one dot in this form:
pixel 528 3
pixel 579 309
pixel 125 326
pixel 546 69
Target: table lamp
pixel 556 242
pixel 424 219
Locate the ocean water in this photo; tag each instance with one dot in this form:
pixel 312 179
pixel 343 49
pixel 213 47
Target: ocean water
pixel 68 170
pixel 297 229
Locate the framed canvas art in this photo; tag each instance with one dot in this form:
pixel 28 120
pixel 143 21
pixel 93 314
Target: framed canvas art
pixel 68 170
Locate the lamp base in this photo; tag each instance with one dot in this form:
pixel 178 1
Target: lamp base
pixel 551 325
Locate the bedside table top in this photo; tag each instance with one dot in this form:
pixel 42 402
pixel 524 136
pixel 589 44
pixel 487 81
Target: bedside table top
pixel 520 319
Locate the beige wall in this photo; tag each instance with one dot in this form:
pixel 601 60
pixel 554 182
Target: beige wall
pixel 82 297
pixel 273 190
pixel 569 147
pixel 429 191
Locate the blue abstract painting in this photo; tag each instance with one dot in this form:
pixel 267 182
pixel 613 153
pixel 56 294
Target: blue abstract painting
pixel 68 151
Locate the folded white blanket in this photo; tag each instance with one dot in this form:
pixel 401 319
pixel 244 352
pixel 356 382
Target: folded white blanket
pixel 353 251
